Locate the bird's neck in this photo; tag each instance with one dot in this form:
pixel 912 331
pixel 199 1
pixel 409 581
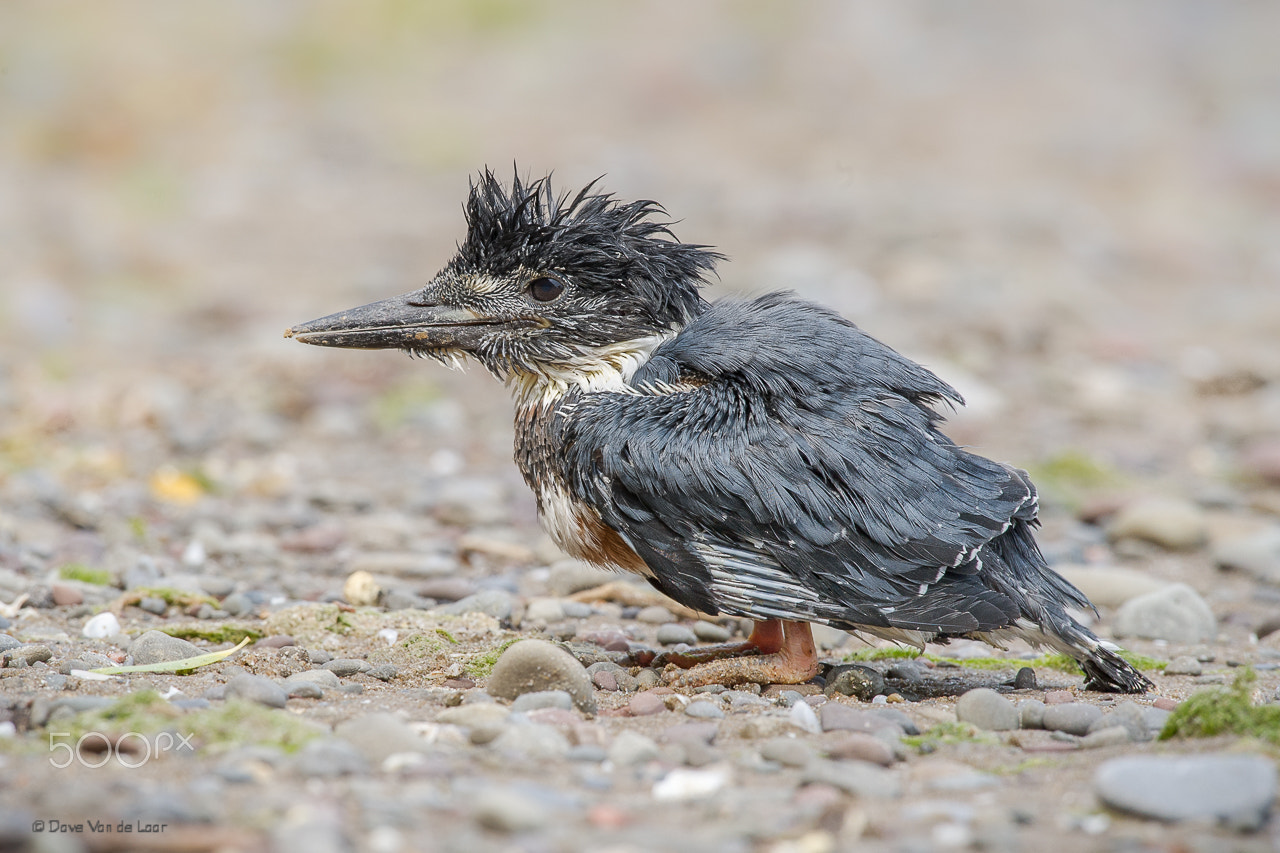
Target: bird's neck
pixel 598 369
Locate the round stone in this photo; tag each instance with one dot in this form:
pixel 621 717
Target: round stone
pixel 1235 788
pixel 673 633
pixel 1031 713
pixel 530 666
pixel 526 702
pixel 987 709
pixel 1176 613
pixel 159 647
pixel 787 751
pixel 1183 665
pixel 1074 718
pixel 1174 524
pixel 256 688
pixel 102 626
pixel 701 709
pixel 710 632
pixel 862 682
pixel 645 704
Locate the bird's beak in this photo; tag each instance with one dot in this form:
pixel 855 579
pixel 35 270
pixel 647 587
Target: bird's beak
pixel 403 322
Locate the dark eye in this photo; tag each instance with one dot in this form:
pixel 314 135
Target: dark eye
pixel 546 289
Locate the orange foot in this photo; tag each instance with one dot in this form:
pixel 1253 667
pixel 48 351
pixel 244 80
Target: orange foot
pixel 777 652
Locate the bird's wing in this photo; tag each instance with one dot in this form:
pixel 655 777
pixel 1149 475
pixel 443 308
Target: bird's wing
pixel 765 492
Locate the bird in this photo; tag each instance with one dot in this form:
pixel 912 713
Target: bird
pixel 757 457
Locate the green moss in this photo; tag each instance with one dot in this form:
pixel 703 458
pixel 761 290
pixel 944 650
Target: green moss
pixel 481 665
pixel 85 574
pixel 417 646
pixel 1225 710
pixel 215 632
pixel 1054 661
pixel 881 654
pixel 948 733
pixel 444 633
pixel 172 597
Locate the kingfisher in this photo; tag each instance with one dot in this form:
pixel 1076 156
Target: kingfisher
pixel 754 457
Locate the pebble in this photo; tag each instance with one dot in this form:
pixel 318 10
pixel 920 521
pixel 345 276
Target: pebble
pixel 1025 679
pixel 530 666
pixel 630 748
pixel 344 667
pixel 7 642
pixel 853 777
pixel 1176 613
pixel 710 632
pixel 159 647
pixel 65 595
pixel 1110 736
pixel 526 702
pixel 655 614
pixel 383 672
pixel 1031 714
pixel 493 602
pixel 1074 718
pixel 688 733
pixel 379 735
pixel 1184 665
pixel 544 610
pixel 328 758
pixel 604 680
pixel 508 811
pixel 839 717
pixel 646 704
pixel 674 633
pixel 151 604
pixel 1173 524
pixel 100 627
pixel 1058 697
pixel 987 709
pixel 532 741
pixel 858 746
pixel 681 784
pixel 701 709
pixel 569 576
pixel 304 690
pixel 256 688
pixel 905 670
pixel 319 677
pixel 862 682
pixel 1110 586
pixel 1237 789
pixel 1256 554
pixel 803 717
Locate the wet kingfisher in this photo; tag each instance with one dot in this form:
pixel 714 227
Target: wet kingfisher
pixel 763 458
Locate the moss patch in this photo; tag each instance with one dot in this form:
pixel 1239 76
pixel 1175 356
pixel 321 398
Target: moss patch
pixel 213 632
pixel 481 665
pixel 1054 661
pixel 948 733
pixel 1225 710
pixel 173 597
pixel 85 574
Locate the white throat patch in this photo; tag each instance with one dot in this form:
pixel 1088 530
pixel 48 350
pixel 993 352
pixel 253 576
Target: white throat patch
pixel 607 368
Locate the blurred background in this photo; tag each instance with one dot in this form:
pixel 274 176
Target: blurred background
pixel 1069 211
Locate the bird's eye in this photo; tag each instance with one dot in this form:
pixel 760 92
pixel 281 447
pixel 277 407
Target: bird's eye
pixel 546 289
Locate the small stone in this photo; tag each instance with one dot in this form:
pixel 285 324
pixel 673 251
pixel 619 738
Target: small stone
pixel 1025 679
pixel 379 735
pixel 276 641
pixel 532 741
pixel 681 784
pixel 1110 586
pixel 8 642
pixel 1074 718
pixel 1031 713
pixel 803 717
pixel 544 610
pixel 1183 665
pixel 703 710
pixel 645 704
pixel 630 748
pixel 905 670
pixel 1256 554
pixel 854 777
pixel 542 699
pixel 673 633
pixel 710 632
pixel 151 604
pixel 569 576
pixel 1173 524
pixel 493 602
pixel 1238 789
pixel 687 733
pixel 100 627
pixel 65 595
pixel 987 709
pixel 159 647
pixel 256 688
pixel 328 758
pixel 858 746
pixel 304 690
pixel 604 680
pixel 1176 613
pixel 344 667
pixel 534 665
pixel 1110 736
pixel 383 672
pixel 28 655
pixel 361 590
pixel 1058 697
pixel 508 811
pixel 862 682
pixel 655 614
pixel 319 677
pixel 1164 703
pixel 237 604
pixel 839 717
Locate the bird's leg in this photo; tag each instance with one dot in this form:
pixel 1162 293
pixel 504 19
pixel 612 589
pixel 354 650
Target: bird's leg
pixel 765 639
pixel 794 662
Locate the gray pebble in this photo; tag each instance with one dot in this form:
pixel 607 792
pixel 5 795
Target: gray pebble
pixel 532 741
pixel 319 677
pixel 672 633
pixel 1025 679
pixel 542 699
pixel 304 690
pixel 256 688
pixel 1074 718
pixel 630 748
pixel 587 752
pixel 344 667
pixel 1109 736
pixel 787 698
pixel 8 642
pixel 862 682
pixel 1237 789
pixel 319 657
pixel 1257 554
pixel 505 810
pixel 159 647
pixel 545 610
pixel 740 701
pixel 208 611
pixel 569 576
pixel 1174 524
pixel 1031 713
pixel 379 735
pixel 1130 716
pixel 839 717
pixel 710 632
pixel 645 680
pixel 577 609
pixel 987 709
pixel 530 666
pixel 329 757
pixel 151 604
pixel 237 604
pixel 1176 613
pixel 655 615
pixel 28 655
pixel 787 751
pixel 701 709
pixel 383 672
pixel 85 661
pixel 687 733
pixel 1184 665
pixel 493 602
pixel 1155 719
pixel 906 670
pixel 854 777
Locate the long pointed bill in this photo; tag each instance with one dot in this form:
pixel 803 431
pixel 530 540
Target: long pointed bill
pixel 396 323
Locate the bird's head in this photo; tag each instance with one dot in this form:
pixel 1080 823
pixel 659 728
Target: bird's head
pixel 543 285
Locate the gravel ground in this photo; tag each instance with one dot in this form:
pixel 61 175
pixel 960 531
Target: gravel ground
pixel 1070 214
